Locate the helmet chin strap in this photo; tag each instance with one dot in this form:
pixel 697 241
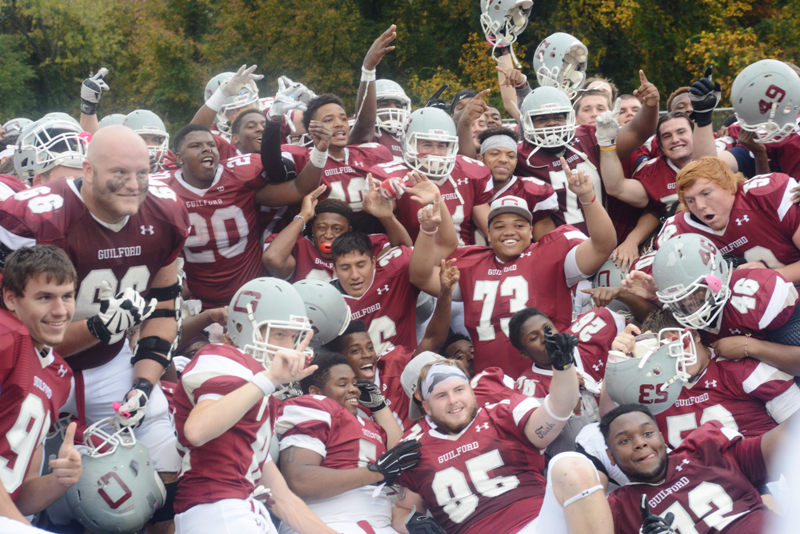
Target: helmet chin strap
pixel 252 318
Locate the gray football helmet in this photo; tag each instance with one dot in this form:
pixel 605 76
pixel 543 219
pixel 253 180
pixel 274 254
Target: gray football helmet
pixel 392 119
pixel 266 303
pixel 247 97
pixel 114 118
pixel 119 490
pixel 15 126
pixel 766 98
pixel 327 310
pixel 59 116
pixel 48 143
pixel 609 275
pixel 560 61
pixel 504 20
pixel 145 122
pixel 655 372
pixel 430 124
pixel 546 101
pixel 693 279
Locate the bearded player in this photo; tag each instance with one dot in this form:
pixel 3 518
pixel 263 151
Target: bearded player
pixel 38 303
pixel 123 238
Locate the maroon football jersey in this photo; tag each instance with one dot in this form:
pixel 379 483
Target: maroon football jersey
pixel 489 478
pixel 309 264
pixel 388 306
pixel 33 387
pixel 761 226
pixel 745 395
pixel 469 185
pixel 644 263
pixel 127 254
pixel 391 142
pixel 226 149
pixel 658 178
pixel 210 472
pixel 223 251
pixel 390 366
pixel 10 185
pixel 493 292
pixel 710 486
pixel 345 180
pixel 540 196
pixel 784 155
pixel 649 150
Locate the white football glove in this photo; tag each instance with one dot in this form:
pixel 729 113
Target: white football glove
pixel 301 92
pixel 118 314
pixel 288 98
pixel 131 412
pixel 608 126
pixel 91 91
pixel 242 77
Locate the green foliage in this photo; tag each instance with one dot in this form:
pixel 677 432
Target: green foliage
pixel 161 53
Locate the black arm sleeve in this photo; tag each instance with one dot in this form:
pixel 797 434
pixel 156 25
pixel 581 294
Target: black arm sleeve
pixel 271 158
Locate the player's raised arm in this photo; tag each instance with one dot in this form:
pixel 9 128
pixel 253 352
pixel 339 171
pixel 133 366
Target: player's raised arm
pixel 546 422
pixel 92 89
pixel 474 111
pixel 635 133
pixel 627 190
pixel 439 325
pixel 208 111
pixel 593 252
pixel 363 130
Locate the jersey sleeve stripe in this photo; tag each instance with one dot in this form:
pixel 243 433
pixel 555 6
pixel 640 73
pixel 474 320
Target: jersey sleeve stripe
pixel 295 415
pixel 784 405
pixel 619 321
pixel 301 441
pixel 783 295
pixel 786 201
pixel 211 366
pixel 731 434
pixel 572 272
pixel 548 204
pixel 762 374
pixel 209 396
pixel 523 408
pixel 14 241
pixel 576 234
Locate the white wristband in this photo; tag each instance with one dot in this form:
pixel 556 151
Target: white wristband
pixel 551 414
pixel 318 158
pixel 216 101
pixel 264 384
pixel 367 75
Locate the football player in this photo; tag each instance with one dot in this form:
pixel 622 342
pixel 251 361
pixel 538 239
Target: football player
pixel 590 104
pixel 92 89
pixel 50 149
pixel 331 457
pixel 704 293
pixel 629 108
pixel 462 443
pixel 225 95
pixel 460 348
pixel 514 273
pixel 38 303
pixel 222 405
pixel 124 238
pixel 150 126
pixel 223 251
pixel 754 220
pixel 430 148
pixel 394 107
pixel 749 396
pixel 290 254
pixel 499 152
pixel 714 466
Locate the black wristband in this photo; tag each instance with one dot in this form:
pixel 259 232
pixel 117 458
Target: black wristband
pixel 88 108
pixel 98 329
pixel 143 384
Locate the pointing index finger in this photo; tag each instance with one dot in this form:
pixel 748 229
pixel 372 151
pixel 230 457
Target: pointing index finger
pixel 480 95
pixel 642 77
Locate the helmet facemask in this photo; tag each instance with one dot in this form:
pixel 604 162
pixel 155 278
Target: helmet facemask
pixel 99 442
pixel 504 32
pixel 683 349
pixel 264 352
pixel 53 145
pixel 550 136
pixel 570 75
pixel 392 120
pixel 699 305
pixel 771 131
pixel 157 152
pixel 247 97
pixel 430 165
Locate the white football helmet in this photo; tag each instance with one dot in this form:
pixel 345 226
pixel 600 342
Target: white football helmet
pixel 15 126
pixel 560 61
pixel 119 489
pixel 766 98
pixel 655 373
pixel 693 279
pixel 270 303
pixel 430 124
pixel 145 122
pixel 326 308
pixel 114 118
pixel 247 97
pixel 546 101
pixel 392 119
pixel 48 143
pixel 504 20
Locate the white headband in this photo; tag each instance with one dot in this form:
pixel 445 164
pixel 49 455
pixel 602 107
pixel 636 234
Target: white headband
pixel 498 141
pixel 438 374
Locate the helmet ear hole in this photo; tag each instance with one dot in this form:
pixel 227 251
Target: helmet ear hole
pixel 657 370
pixel 134 467
pixel 239 327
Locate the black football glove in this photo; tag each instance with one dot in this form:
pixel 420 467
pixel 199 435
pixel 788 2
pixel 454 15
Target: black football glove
pixel 417 523
pixel 91 91
pixel 653 524
pixel 436 101
pixel 560 348
pixel 399 458
pixel 371 396
pixel 705 96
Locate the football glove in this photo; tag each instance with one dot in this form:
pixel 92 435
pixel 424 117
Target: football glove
pixel 91 90
pixel 608 127
pixel 392 188
pixel 399 458
pixel 131 412
pixel 118 314
pixel 371 396
pixel 290 96
pixel 242 77
pixel 301 92
pixel 653 524
pixel 705 96
pixel 560 348
pixel 417 523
